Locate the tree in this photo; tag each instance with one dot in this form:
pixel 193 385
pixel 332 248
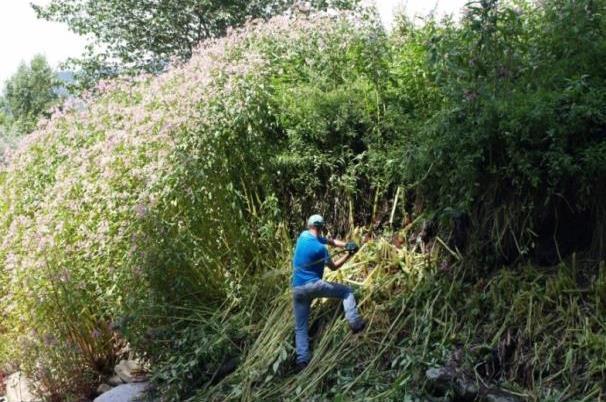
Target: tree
pixel 29 94
pixel 129 36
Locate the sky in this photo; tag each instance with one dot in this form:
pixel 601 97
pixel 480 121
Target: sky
pixel 22 35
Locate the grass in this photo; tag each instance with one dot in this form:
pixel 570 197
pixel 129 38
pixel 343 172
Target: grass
pixel 537 333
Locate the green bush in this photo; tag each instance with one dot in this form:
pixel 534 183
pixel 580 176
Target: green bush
pixel 518 143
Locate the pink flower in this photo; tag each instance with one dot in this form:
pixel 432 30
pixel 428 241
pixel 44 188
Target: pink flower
pixel 141 211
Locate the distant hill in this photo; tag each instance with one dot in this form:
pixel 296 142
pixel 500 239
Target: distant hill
pixel 66 77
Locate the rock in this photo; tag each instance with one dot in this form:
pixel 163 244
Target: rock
pixel 460 384
pixel 130 371
pixel 447 379
pixel 440 379
pixel 124 393
pixel 103 388
pixel 115 380
pixel 19 389
pixel 495 395
pixel 466 389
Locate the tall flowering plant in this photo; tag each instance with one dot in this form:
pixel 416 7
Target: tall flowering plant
pixel 154 197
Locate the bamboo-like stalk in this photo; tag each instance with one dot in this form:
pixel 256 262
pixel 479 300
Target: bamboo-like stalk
pixel 393 208
pixel 416 312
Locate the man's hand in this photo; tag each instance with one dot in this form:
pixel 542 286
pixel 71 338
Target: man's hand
pixel 351 247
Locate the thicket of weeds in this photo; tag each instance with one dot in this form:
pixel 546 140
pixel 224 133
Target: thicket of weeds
pixel 538 333
pixel 160 211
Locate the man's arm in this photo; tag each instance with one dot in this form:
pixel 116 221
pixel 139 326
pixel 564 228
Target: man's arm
pixel 336 243
pixel 334 265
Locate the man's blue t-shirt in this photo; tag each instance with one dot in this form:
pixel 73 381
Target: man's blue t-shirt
pixel 310 256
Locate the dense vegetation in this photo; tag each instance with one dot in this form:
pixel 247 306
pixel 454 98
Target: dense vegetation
pixel 161 212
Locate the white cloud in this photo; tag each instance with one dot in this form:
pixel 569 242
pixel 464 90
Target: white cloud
pixel 23 36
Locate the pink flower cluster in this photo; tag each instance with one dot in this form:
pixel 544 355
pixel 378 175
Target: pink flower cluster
pixel 80 187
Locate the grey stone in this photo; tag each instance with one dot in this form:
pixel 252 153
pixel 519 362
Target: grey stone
pixel 447 379
pixel 466 388
pixel 130 371
pixel 500 396
pixel 440 379
pixel 19 389
pixel 440 374
pixel 124 393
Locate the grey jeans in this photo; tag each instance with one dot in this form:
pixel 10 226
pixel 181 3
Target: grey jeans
pixel 302 298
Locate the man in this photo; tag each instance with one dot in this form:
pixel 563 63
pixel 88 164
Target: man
pixel 310 257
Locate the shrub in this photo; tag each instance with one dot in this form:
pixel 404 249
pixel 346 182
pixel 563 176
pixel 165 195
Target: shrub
pixel 516 144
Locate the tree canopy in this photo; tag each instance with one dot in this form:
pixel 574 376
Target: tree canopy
pixel 130 36
pixel 28 94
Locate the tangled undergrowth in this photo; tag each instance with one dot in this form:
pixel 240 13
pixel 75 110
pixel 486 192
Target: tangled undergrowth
pixel 538 333
pixel 160 211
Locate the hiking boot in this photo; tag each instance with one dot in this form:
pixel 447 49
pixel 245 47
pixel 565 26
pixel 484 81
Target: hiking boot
pixel 300 366
pixel 358 326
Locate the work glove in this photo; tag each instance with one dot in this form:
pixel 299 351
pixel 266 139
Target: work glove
pixel 351 247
